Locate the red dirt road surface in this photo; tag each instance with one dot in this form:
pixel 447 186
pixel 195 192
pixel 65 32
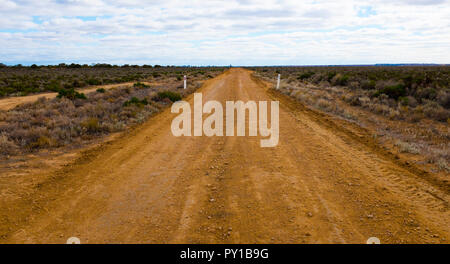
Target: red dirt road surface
pixel 321 184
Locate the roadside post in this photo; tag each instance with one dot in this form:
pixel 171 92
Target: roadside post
pixel 278 81
pixel 185 82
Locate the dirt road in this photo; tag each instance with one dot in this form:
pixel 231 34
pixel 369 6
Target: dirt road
pixel 11 102
pixel 319 185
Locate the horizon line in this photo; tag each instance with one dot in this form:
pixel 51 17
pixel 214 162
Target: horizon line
pixel 26 65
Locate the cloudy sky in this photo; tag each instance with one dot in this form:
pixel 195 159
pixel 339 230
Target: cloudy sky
pixel 237 32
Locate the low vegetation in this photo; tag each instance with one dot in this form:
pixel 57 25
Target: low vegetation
pixel 73 118
pixel 406 106
pixel 173 97
pixel 19 80
pixel 408 92
pixel 70 94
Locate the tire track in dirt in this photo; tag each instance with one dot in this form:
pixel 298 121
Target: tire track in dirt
pixel 319 185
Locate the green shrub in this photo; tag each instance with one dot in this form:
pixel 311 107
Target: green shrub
pixel 172 96
pixel 101 90
pixel 403 100
pixel 368 84
pixel 140 85
pixel 330 76
pixel 136 101
pixel 340 80
pixel 54 86
pixel 393 91
pixel 93 81
pixel 70 94
pixel 305 75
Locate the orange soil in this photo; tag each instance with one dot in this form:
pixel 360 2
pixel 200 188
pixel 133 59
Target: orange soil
pixel 321 184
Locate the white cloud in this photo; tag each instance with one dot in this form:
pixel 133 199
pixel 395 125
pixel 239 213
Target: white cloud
pixel 241 32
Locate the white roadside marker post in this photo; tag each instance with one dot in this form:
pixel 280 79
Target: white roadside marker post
pixel 278 81
pixel 185 82
pixel 73 240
